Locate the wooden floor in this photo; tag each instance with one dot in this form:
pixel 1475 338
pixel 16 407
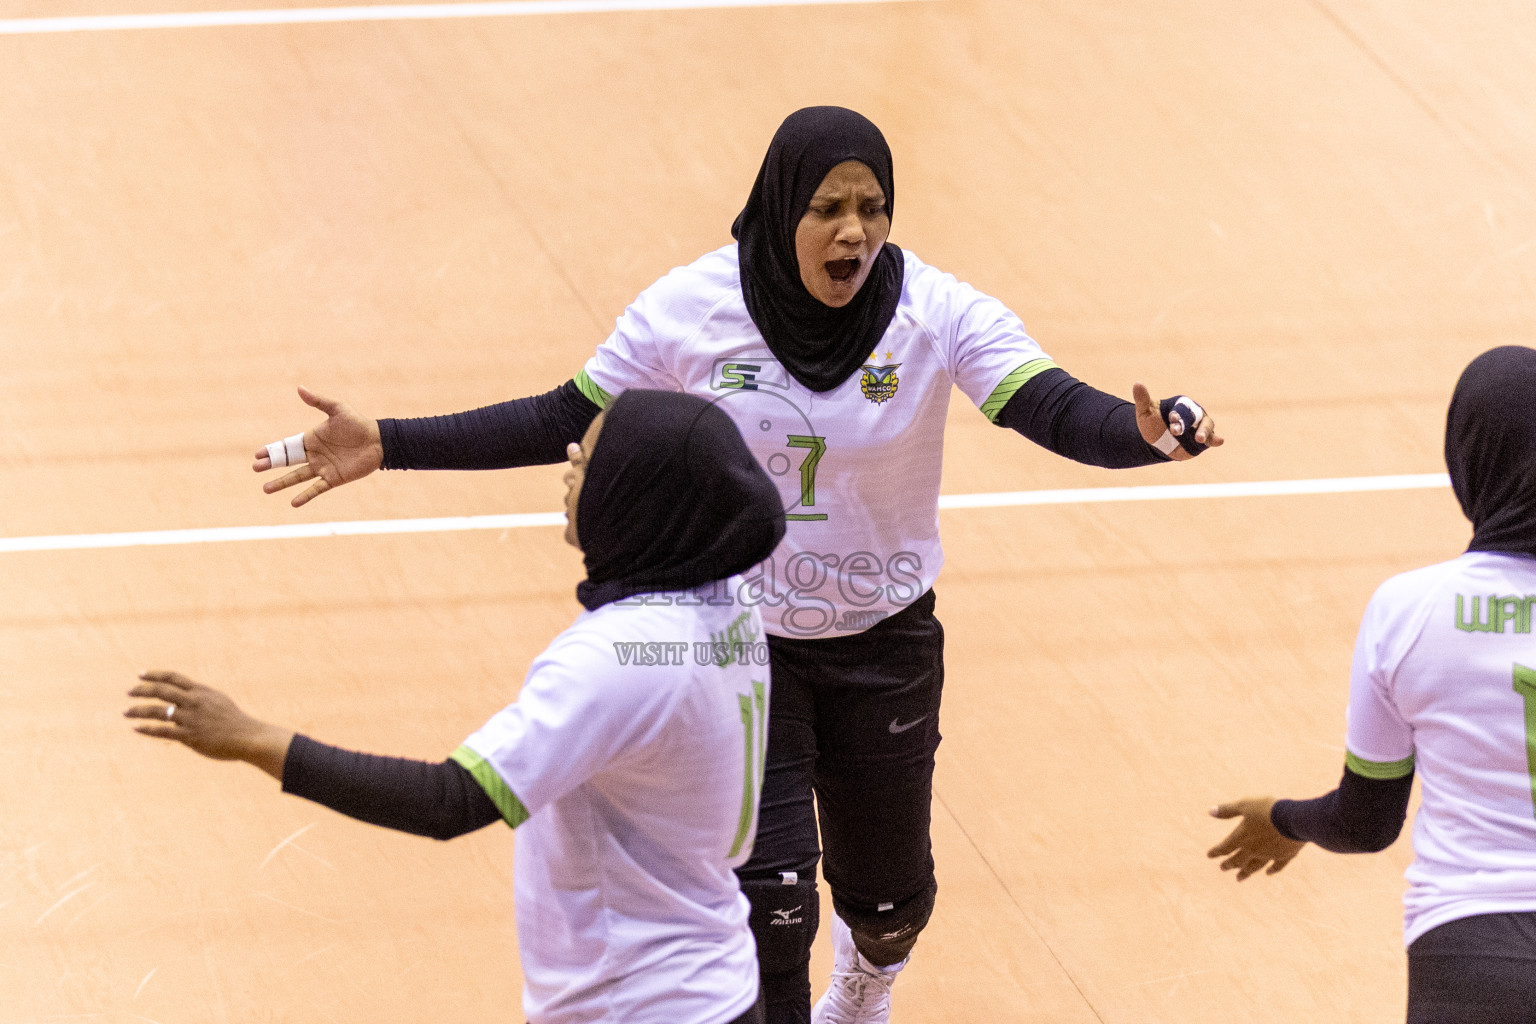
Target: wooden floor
pixel 1310 215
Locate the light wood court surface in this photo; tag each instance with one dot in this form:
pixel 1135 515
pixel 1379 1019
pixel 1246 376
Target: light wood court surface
pixel 1308 215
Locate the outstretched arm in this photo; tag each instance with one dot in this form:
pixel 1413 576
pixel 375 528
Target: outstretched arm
pixel 1363 815
pixel 436 800
pixel 347 446
pixel 1075 420
pixel 530 431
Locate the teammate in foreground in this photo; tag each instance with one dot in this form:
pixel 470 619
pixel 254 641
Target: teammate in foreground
pixel 835 352
pixel 1444 680
pixel 635 785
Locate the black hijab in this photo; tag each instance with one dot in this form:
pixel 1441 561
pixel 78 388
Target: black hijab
pixel 819 345
pixel 1490 448
pixel 672 500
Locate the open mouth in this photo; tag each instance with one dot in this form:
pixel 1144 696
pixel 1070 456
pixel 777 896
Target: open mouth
pixel 843 270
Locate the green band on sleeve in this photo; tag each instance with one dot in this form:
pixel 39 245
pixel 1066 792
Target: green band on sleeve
pixel 1378 769
pixel 596 395
pixel 1009 387
pixel 512 810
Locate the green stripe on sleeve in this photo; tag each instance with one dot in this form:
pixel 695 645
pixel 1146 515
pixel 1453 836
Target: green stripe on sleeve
pixel 1009 387
pixel 512 810
pixel 1378 769
pixel 596 395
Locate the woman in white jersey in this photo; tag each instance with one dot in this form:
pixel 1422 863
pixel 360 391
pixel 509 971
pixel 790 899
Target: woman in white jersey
pixel 633 756
pixel 835 352
pixel 1444 684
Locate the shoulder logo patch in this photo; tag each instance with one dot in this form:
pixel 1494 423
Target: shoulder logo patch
pixel 879 383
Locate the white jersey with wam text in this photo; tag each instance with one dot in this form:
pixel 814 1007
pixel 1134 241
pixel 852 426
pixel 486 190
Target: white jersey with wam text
pixel 858 466
pixel 1444 684
pixel 632 761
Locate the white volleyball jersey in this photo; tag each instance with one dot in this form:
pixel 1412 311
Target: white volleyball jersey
pixel 1444 683
pixel 857 467
pixel 632 762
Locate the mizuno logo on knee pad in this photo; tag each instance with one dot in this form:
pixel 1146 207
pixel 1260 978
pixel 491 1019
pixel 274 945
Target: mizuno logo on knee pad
pixel 784 917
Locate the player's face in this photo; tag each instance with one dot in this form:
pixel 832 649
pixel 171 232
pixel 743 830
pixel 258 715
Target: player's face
pixel 579 455
pixel 841 233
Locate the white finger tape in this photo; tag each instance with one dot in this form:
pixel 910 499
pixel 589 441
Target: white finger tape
pixel 1189 415
pixel 287 452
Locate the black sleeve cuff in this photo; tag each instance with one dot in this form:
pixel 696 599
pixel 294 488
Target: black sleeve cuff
pixel 436 800
pixel 1363 815
pixel 529 431
pixel 1075 420
pixel 1281 815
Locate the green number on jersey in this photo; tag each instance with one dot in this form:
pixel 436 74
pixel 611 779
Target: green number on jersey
pixel 754 727
pixel 1525 686
pixel 818 447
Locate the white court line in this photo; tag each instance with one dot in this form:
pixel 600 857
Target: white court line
pixel 225 534
pixel 1167 492
pixel 386 12
pixel 449 524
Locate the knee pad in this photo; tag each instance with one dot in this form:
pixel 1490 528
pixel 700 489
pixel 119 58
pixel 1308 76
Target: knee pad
pixel 886 934
pixel 784 920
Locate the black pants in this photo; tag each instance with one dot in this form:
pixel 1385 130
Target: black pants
pixel 854 720
pixel 1474 970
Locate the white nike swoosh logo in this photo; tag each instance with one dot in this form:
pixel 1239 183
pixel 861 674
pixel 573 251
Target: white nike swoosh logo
pixel 903 728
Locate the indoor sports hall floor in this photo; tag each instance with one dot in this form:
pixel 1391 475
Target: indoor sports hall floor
pixel 1309 215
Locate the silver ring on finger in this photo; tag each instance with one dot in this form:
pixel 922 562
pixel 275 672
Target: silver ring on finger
pixel 170 712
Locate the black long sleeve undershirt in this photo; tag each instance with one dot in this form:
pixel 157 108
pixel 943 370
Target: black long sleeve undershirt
pixel 1363 815
pixel 436 800
pixel 529 431
pixel 1054 409
pixel 1075 420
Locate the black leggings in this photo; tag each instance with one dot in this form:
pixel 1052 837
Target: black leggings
pixel 1474 970
pixel 854 720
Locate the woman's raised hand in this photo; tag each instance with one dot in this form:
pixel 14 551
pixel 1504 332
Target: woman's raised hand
pixel 207 721
pixel 1149 420
pixel 1255 842
pixel 344 448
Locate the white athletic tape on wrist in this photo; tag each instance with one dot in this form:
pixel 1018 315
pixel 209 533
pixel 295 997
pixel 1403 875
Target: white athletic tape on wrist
pixel 287 452
pixel 1167 443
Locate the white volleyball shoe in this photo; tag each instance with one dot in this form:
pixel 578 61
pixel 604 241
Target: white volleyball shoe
pixel 860 992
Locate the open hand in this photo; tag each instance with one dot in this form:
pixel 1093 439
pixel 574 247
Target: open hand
pixel 1255 842
pixel 207 721
pixel 1150 421
pixel 344 448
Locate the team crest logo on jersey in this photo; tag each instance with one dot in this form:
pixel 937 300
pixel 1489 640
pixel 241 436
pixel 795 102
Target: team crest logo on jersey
pixel 879 383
